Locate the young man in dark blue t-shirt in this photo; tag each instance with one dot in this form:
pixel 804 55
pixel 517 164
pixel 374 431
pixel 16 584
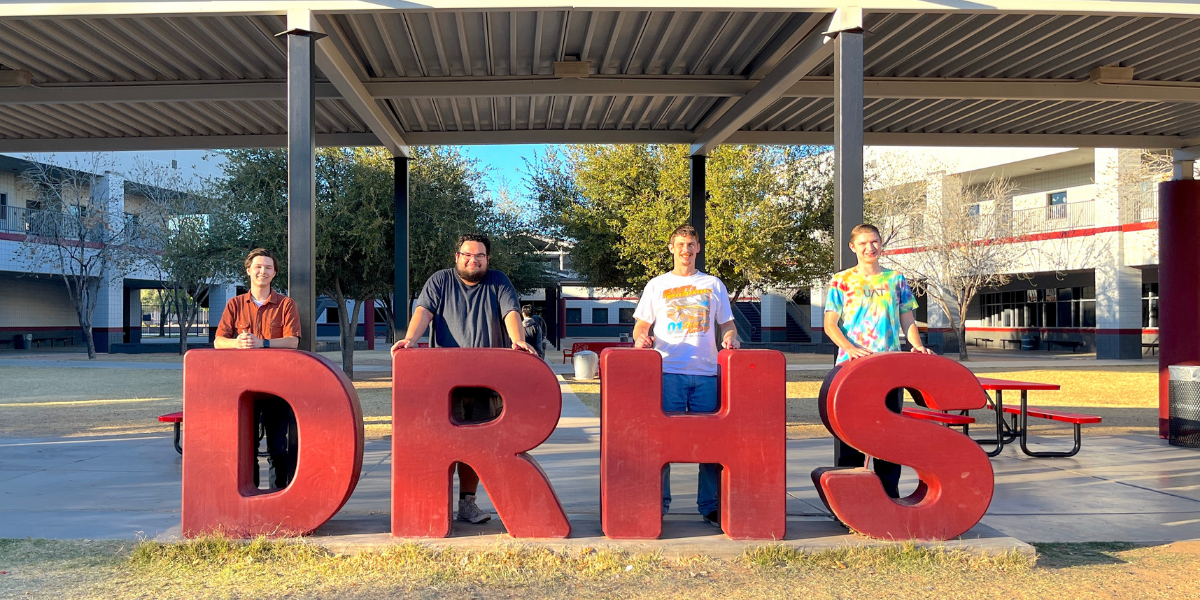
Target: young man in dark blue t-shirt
pixel 470 307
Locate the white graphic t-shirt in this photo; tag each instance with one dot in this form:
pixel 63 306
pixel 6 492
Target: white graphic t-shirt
pixel 685 312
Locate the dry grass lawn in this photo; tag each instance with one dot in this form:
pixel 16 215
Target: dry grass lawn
pixel 66 401
pixel 220 569
pixel 1126 397
pixel 74 402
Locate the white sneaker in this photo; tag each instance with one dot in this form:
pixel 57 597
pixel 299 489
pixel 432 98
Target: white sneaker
pixel 469 512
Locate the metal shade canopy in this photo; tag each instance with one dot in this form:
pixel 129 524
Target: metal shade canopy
pixel 174 75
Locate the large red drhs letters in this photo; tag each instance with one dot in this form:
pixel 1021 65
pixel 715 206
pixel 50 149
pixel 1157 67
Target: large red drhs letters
pixel 956 476
pixel 426 442
pixel 219 390
pixel 746 436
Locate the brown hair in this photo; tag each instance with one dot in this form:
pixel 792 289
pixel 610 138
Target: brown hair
pixel 261 252
pixel 683 231
pixel 864 228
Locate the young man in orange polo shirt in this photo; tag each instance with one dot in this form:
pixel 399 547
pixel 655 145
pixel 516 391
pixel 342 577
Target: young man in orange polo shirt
pixel 264 318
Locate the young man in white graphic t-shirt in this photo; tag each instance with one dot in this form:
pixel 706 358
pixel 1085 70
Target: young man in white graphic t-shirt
pixel 679 315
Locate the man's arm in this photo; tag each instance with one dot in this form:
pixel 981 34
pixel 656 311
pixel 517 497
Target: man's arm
pixel 224 343
pixel 729 337
pixel 285 342
pixel 516 332
pixel 641 334
pixel 225 331
pixel 416 325
pixel 835 333
pixel 249 340
pixel 909 324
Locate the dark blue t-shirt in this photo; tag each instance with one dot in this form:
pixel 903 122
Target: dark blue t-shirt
pixel 469 316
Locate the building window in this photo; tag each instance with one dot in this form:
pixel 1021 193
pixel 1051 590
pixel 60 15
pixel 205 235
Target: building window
pixel 599 316
pixel 331 315
pixel 3 207
pixel 1040 308
pixel 1149 305
pixel 1056 205
pixel 916 225
pixel 574 316
pixel 625 316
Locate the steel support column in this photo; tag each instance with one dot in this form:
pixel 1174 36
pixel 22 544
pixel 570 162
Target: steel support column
pixel 1178 281
pixel 699 202
pixel 302 190
pixel 400 300
pixel 847 142
pixel 550 313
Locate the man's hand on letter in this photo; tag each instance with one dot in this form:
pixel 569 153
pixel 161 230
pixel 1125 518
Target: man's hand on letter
pixel 731 342
pixel 524 347
pixel 644 341
pixel 923 350
pixel 248 340
pixel 404 343
pixel 857 352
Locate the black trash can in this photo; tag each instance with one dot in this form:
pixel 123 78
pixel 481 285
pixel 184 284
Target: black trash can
pixel 1028 343
pixel 1183 406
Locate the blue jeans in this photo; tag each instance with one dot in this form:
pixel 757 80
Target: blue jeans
pixel 692 393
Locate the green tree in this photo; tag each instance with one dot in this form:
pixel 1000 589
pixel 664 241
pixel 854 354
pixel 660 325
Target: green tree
pixel 355 222
pixel 253 190
pixel 769 212
pixel 354 234
pixel 185 232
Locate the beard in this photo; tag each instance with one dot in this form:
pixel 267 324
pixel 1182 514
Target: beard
pixel 470 276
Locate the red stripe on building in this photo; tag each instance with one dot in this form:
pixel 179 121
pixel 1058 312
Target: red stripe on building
pixel 1049 235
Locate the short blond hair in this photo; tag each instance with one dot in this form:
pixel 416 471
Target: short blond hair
pixel 862 228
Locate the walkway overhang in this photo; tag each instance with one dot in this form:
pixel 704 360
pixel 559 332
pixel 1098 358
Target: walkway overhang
pixel 161 75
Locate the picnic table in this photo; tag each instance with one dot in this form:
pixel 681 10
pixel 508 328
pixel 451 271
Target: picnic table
pixel 1006 433
pixel 985 341
pixel 1019 429
pixel 1064 343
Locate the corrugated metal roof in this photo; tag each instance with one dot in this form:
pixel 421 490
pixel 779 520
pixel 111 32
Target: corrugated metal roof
pixel 489 47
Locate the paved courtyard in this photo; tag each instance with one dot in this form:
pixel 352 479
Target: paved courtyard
pixel 1119 488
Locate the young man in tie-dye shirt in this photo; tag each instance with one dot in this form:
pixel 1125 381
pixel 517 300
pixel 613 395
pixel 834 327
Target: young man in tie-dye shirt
pixel 865 311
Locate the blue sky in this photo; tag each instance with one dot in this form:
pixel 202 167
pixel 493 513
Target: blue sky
pixel 506 162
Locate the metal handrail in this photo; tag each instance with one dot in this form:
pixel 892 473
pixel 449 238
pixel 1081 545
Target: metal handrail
pixel 1054 217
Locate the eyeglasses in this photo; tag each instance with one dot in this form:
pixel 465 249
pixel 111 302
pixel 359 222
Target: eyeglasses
pixel 478 257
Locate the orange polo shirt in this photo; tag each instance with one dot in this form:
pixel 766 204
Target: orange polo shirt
pixel 276 318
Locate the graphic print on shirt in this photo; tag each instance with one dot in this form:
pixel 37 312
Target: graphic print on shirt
pixel 687 309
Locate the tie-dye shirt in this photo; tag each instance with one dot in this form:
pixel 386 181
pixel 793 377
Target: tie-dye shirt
pixel 870 308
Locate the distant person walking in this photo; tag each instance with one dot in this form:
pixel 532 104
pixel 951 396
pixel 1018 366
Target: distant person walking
pixel 264 318
pixel 535 330
pixel 865 311
pixel 470 306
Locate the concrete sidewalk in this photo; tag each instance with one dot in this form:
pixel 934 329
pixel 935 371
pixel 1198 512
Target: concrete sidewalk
pixel 1119 488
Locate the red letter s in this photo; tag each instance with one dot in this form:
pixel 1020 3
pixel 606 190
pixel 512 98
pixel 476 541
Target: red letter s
pixel 956 476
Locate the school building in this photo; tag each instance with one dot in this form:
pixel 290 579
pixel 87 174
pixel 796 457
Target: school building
pixel 35 307
pixel 1089 282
